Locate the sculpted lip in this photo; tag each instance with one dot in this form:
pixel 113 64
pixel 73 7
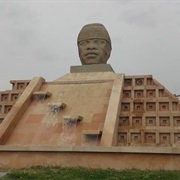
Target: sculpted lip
pixel 91 54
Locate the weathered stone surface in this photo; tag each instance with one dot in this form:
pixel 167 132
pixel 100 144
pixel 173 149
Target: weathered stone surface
pixel 91 68
pixel 94 44
pixel 112 116
pixel 9 97
pixel 18 110
pixel 96 159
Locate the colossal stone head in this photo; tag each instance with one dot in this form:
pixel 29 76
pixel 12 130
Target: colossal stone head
pixel 94 44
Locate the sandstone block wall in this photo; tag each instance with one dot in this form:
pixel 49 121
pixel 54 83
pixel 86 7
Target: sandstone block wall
pixel 150 114
pixel 9 97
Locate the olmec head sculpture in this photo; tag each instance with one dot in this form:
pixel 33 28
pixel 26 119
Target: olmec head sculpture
pixel 94 44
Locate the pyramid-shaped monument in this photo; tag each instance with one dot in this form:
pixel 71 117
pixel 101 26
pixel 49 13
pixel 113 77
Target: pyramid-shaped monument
pixel 90 117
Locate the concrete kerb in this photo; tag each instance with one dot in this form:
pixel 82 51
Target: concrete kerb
pixel 131 150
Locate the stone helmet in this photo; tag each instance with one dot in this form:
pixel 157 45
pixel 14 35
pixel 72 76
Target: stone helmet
pixel 94 31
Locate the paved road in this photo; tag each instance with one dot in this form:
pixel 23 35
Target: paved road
pixel 2 174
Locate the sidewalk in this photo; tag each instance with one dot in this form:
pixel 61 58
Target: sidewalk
pixel 2 174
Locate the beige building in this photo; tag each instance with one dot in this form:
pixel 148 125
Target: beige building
pixel 94 116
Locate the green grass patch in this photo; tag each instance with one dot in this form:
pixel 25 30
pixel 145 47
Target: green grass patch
pixel 60 173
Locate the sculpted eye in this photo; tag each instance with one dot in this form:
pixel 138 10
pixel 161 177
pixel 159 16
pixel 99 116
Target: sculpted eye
pixel 84 43
pixel 96 41
pixel 103 41
pixel 81 43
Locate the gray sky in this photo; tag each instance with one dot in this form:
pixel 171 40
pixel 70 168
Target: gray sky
pixel 38 38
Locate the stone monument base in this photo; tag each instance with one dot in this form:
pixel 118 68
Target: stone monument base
pixel 16 157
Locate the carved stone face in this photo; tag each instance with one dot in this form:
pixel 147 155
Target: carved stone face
pixel 94 51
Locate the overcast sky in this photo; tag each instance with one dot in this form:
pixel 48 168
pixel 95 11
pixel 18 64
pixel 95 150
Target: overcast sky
pixel 39 38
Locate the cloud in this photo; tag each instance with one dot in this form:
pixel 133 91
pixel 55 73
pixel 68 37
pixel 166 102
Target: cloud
pixel 143 16
pixel 38 38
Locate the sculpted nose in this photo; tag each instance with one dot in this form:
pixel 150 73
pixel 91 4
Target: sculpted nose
pixel 91 46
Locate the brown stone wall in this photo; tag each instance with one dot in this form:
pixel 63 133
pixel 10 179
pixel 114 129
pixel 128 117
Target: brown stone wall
pixel 150 114
pixel 103 160
pixel 9 97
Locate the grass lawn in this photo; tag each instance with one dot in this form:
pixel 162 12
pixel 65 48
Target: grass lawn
pixel 60 173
